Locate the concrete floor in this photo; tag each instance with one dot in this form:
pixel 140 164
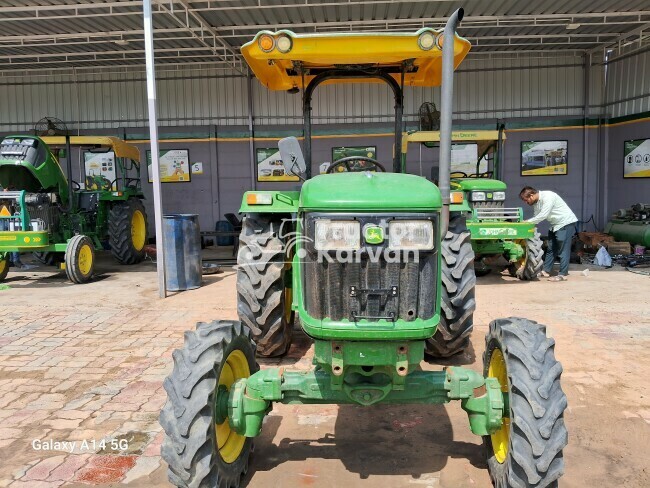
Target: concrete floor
pixel 86 363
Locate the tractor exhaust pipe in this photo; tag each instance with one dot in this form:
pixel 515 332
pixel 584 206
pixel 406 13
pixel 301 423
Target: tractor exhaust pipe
pixel 446 112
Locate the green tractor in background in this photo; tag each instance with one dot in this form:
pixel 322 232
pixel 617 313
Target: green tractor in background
pixel 477 206
pixel 43 212
pixel 363 257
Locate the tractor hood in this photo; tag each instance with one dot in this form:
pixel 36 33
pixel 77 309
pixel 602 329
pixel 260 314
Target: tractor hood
pixel 480 184
pixel 26 163
pixel 370 191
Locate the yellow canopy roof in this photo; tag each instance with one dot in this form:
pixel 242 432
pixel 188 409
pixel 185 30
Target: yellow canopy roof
pixel 118 146
pixel 316 52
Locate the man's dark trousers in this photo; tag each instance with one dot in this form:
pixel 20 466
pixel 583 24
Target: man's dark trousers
pixel 559 244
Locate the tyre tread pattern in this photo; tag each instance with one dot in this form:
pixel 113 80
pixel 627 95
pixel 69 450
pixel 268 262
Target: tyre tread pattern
pixel 119 231
pixel 537 403
pixel 534 261
pixel 260 285
pixel 188 415
pixel 457 302
pixel 71 262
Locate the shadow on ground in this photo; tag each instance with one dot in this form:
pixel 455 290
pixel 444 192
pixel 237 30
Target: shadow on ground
pixel 406 440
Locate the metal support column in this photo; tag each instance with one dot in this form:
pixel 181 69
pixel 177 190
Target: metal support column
pixel 585 137
pixel 251 133
pixel 153 136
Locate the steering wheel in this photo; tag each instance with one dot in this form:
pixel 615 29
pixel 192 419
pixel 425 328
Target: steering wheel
pixel 346 162
pixel 459 174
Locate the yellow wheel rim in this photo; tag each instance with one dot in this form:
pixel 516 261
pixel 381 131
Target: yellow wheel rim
pixel 3 266
pixel 497 369
pixel 522 260
pixel 85 259
pixel 288 297
pixel 229 442
pixel 138 230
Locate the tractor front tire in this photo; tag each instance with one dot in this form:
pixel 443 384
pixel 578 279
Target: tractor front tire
pixel 529 266
pixel 263 300
pixel 527 450
pixel 199 451
pixel 4 268
pixel 127 231
pixel 457 295
pixel 80 259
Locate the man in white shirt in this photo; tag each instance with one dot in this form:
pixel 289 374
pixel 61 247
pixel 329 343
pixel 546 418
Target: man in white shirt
pixel 548 205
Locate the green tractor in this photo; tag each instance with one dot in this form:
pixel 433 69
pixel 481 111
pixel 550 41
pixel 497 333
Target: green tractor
pixel 361 257
pixel 43 212
pixel 477 205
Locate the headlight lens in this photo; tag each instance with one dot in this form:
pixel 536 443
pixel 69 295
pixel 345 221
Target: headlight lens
pixel 337 235
pixel 416 235
pixel 284 44
pixel 426 40
pixel 478 196
pixel 499 195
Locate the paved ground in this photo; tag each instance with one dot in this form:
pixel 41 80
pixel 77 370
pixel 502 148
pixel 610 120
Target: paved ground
pixel 83 365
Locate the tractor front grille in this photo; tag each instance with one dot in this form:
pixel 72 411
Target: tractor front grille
pixel 498 213
pixel 369 284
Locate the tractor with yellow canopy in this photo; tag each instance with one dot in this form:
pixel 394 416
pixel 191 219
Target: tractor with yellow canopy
pixel 61 220
pixel 364 257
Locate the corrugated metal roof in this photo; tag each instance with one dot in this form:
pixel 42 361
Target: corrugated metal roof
pixel 53 34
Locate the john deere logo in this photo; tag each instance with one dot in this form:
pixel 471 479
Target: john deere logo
pixel 373 234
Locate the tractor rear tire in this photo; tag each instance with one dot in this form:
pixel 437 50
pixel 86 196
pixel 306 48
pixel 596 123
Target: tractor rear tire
pixel 80 259
pixel 527 450
pixel 457 303
pixel 530 265
pixel 263 301
pixel 199 451
pixel 127 231
pixel 50 258
pixel 4 269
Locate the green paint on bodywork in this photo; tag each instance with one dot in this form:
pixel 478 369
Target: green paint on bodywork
pixel 501 230
pixel 481 184
pixel 23 240
pixel 39 172
pixel 283 202
pixel 363 191
pixel 250 399
pixel 511 250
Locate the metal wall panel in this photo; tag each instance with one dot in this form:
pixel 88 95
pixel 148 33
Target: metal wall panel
pixel 628 85
pixel 485 88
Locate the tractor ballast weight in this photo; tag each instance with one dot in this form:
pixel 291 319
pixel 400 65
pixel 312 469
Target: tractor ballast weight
pixel 370 323
pixel 41 210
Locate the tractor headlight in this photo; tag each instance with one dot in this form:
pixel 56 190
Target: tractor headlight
pixel 411 235
pixel 478 196
pixel 337 235
pixel 426 40
pixel 499 195
pixel 283 43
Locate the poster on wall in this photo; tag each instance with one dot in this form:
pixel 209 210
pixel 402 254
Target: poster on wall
pixel 544 158
pixel 464 157
pixel 359 165
pixel 270 166
pixel 100 171
pixel 636 158
pixel 174 165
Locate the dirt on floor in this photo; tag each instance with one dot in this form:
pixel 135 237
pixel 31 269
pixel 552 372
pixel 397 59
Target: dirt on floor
pixel 86 362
